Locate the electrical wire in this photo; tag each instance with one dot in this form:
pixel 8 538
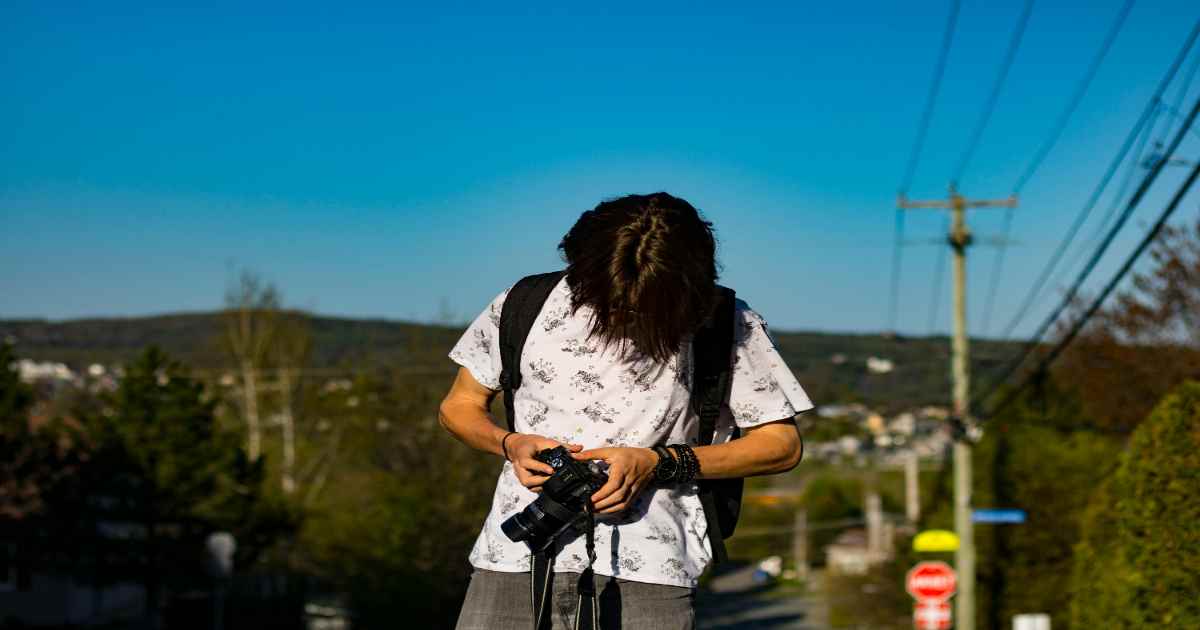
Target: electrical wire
pixel 1061 123
pixel 997 87
pixel 935 85
pixel 1179 96
pixel 1177 115
pixel 1135 164
pixel 914 157
pixel 1038 285
pixel 1112 283
pixel 1136 198
pixel 994 282
pixel 1056 132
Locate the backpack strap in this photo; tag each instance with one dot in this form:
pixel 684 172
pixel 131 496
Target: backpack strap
pixel 712 349
pixel 521 307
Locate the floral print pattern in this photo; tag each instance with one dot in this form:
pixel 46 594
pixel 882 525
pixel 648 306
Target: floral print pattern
pixel 586 382
pixel 599 412
pixel 578 348
pixel 593 395
pixel 542 370
pixel 537 414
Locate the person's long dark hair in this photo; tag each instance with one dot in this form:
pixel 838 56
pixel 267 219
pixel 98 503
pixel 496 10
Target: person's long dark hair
pixel 646 265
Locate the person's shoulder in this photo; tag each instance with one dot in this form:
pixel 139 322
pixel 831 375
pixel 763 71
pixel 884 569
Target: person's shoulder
pixel 497 304
pixel 743 312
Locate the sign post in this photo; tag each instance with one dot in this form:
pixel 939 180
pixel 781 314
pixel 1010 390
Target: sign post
pixel 930 614
pixel 931 583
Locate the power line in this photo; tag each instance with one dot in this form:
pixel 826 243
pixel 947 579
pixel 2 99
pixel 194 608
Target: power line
pixel 1180 95
pixel 990 104
pixel 1125 267
pixel 1139 153
pixel 994 282
pixel 1056 132
pixel 1112 283
pixel 1080 219
pixel 1175 113
pixel 934 87
pixel 1104 181
pixel 914 157
pixel 1061 124
pixel 1032 344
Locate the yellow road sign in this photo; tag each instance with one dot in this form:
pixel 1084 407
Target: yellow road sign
pixel 935 540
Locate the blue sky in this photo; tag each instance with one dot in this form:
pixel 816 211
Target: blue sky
pixel 396 161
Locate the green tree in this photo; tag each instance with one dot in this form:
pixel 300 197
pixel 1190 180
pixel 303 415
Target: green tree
pixel 16 436
pixel 30 457
pixel 1143 528
pixel 1028 460
pixel 397 502
pixel 157 475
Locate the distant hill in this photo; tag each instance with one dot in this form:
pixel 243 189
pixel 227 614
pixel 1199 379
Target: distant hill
pixel 831 366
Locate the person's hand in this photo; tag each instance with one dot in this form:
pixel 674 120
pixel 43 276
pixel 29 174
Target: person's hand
pixel 530 472
pixel 630 470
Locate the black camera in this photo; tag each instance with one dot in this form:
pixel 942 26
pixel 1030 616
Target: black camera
pixel 562 504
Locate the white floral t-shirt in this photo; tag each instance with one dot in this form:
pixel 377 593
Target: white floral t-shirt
pixel 575 391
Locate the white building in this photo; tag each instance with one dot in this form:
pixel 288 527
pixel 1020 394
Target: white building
pixel 32 371
pixel 879 365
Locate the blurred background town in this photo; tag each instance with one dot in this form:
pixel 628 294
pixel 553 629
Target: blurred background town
pixel 237 244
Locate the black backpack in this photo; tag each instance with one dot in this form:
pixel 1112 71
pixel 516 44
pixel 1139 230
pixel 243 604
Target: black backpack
pixel 713 353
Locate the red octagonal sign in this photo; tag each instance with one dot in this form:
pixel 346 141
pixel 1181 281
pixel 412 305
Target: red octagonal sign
pixel 931 580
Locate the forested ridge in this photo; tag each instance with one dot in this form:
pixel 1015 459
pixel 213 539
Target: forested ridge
pixel 831 366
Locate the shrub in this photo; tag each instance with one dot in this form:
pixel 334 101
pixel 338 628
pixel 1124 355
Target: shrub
pixel 1138 564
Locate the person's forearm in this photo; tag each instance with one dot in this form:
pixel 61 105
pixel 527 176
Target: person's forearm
pixel 472 425
pixel 766 451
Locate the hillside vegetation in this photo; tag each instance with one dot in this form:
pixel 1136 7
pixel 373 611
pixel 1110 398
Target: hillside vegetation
pixel 920 376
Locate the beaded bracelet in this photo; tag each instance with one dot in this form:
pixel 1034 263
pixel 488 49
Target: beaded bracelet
pixel 689 467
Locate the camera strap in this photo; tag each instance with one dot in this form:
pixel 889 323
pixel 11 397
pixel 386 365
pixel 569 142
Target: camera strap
pixel 587 609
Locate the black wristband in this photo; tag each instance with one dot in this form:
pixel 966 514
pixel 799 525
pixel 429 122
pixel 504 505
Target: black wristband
pixel 504 444
pixel 668 465
pixel 689 467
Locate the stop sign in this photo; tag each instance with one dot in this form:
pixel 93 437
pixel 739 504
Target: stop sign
pixel 929 614
pixel 931 580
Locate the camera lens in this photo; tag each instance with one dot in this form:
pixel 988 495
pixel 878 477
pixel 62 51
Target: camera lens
pixel 516 528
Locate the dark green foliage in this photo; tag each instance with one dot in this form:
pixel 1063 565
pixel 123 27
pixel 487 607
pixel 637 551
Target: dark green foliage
pixel 196 339
pixel 402 504
pixel 1030 459
pixel 830 497
pixel 1097 595
pixel 920 376
pixel 30 458
pixel 155 475
pixel 1138 565
pixel 15 397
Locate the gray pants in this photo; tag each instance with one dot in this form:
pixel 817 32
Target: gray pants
pixel 502 601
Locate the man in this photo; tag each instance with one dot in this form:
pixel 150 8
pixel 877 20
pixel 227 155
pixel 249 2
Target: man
pixel 606 372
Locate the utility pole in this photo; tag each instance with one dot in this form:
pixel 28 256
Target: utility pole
pixel 959 239
pixel 912 487
pixel 800 544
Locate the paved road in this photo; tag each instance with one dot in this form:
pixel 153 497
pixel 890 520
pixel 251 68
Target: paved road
pixel 734 602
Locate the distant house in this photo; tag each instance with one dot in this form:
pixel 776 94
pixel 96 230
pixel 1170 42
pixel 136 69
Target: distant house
pixel 849 553
pixel 849 444
pixel 878 365
pixel 32 371
pixel 903 424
